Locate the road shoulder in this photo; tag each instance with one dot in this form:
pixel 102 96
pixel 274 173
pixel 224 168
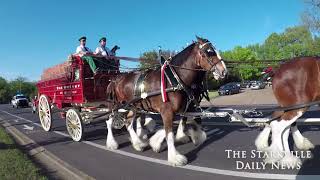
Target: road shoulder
pixel 57 168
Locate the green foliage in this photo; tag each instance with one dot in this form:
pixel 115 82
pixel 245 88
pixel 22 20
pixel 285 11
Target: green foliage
pixel 151 58
pixel 293 42
pixel 244 71
pixel 4 91
pixel 19 85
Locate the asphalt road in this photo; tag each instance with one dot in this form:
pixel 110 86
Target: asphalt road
pixel 208 161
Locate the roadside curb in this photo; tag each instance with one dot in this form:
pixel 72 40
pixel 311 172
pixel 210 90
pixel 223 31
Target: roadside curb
pixel 51 163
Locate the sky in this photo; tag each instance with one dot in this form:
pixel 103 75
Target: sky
pixel 37 34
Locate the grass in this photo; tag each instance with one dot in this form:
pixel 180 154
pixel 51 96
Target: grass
pixel 213 94
pixel 14 164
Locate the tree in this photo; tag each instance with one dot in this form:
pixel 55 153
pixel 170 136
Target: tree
pixel 294 42
pixel 4 91
pixel 244 71
pixel 21 85
pixel 151 58
pixel 311 16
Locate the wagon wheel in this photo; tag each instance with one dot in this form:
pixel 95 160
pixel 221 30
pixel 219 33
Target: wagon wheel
pixel 74 124
pixel 45 113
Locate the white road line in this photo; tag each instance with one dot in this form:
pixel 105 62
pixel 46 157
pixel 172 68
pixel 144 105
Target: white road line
pixel 189 167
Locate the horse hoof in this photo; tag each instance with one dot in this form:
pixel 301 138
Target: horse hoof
pixel 156 140
pixel 182 137
pixel 198 137
pixel 139 146
pixel 142 134
pixel 155 146
pixel 273 154
pixel 306 144
pixel 178 160
pixel 112 145
pixel 261 141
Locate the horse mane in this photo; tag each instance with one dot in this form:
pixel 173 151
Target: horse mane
pixel 178 59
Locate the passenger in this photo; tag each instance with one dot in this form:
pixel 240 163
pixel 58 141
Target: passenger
pixel 102 50
pixel 85 52
pixel 82 49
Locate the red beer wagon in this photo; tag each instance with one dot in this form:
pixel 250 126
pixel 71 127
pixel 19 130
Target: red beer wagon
pixel 72 89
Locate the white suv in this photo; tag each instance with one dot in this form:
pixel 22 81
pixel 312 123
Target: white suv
pixel 19 100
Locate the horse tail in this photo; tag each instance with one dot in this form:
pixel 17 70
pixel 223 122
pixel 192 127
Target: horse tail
pixel 111 92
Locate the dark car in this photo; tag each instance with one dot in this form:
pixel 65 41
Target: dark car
pixel 228 89
pixel 235 83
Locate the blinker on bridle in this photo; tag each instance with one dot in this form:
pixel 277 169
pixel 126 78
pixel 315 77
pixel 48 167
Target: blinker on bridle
pixel 209 59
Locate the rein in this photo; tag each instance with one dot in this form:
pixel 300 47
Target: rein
pixel 190 69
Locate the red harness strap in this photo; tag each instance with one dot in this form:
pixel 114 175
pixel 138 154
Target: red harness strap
pixel 163 83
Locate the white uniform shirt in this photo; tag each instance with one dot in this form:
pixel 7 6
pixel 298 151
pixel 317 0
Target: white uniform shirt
pixel 83 49
pixel 103 51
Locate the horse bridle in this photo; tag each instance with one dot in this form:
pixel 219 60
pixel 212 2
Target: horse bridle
pixel 209 59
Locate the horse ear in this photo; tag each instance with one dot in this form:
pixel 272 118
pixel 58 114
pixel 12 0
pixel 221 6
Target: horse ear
pixel 198 38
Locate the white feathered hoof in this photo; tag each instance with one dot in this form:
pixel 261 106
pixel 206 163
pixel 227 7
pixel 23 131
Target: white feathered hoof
pixel 197 137
pixel 150 124
pixel 139 146
pixel 274 155
pixel 142 134
pixel 154 144
pixel 303 143
pixel 156 140
pixel 112 144
pixel 182 137
pixel 177 159
pixel 261 141
pixel 290 161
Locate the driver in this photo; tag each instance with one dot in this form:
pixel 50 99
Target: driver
pixel 82 49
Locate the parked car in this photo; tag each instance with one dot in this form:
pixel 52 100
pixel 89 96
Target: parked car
pixel 245 84
pixel 19 100
pixel 258 85
pixel 229 89
pixel 235 83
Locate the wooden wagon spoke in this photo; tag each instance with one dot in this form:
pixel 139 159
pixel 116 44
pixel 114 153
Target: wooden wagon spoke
pixel 73 123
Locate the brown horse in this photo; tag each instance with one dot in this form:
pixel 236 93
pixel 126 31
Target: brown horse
pixel 197 58
pixel 295 82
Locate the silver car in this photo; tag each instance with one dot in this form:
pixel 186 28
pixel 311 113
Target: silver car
pixel 258 85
